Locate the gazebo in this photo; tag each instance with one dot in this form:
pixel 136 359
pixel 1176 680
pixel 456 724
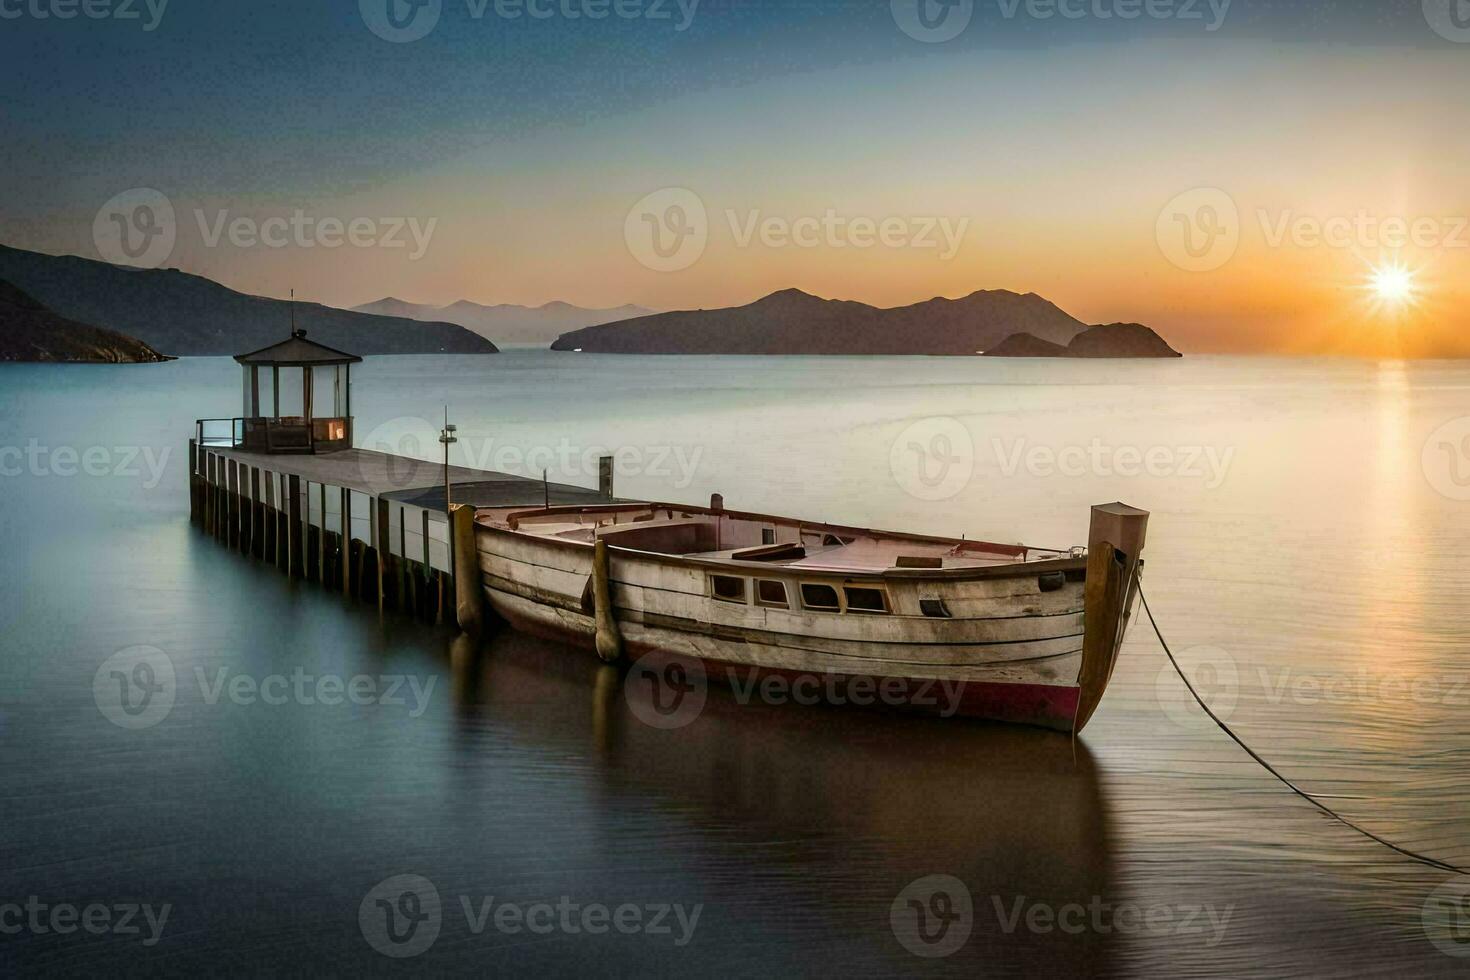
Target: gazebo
pixel 318 416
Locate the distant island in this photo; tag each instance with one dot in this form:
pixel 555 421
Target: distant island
pixel 1104 340
pixel 507 324
pixel 794 322
pixel 31 332
pixel 183 314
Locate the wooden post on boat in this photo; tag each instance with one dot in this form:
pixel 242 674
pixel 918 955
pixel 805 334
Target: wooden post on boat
pixel 609 640
pixel 1115 541
pixel 346 541
pixel 469 594
pixel 295 560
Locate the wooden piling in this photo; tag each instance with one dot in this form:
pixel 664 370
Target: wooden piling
pixel 321 539
pixel 206 490
pixel 380 542
pixel 295 560
pixel 346 541
pixel 257 515
pixel 609 640
pixel 193 482
pixel 469 594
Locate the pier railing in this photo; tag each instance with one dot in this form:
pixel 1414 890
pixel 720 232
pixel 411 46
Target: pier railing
pixel 283 434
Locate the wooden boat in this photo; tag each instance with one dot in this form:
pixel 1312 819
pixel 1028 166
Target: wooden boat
pixel 849 615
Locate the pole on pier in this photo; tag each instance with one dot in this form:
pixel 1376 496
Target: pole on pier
pixel 469 595
pixel 609 640
pixel 295 560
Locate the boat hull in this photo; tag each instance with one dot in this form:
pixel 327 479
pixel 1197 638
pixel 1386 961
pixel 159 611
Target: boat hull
pixel 1045 705
pixel 1022 642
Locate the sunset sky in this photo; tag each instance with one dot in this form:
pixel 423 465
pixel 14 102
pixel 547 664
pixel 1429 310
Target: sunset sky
pixel 1069 155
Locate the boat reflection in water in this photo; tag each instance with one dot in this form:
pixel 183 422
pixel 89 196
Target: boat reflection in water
pixel 800 828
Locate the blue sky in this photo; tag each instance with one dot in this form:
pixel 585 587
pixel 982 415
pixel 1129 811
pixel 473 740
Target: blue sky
pixel 528 138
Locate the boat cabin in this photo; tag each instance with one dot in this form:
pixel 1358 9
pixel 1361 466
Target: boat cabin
pixel 297 399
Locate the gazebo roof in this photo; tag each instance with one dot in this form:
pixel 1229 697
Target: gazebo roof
pixel 297 351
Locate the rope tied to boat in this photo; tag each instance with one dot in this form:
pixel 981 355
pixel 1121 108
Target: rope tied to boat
pixel 1414 855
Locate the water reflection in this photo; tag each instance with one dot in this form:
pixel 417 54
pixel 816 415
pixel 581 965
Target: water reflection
pixel 1018 816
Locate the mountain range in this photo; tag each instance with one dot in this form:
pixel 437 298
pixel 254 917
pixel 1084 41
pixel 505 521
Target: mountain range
pixel 30 332
pixel 506 323
pixel 182 314
pixel 794 322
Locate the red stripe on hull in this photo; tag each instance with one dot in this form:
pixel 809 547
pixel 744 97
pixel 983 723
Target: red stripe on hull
pixel 1044 705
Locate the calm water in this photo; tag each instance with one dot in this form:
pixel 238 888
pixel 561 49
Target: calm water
pixel 1306 558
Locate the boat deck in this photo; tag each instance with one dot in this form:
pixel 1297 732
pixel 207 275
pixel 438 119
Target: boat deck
pixel 700 533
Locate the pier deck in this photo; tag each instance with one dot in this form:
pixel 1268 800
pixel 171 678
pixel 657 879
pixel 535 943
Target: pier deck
pixel 416 482
pixel 375 524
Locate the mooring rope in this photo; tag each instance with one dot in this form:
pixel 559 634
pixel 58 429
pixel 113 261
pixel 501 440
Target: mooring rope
pixel 1421 858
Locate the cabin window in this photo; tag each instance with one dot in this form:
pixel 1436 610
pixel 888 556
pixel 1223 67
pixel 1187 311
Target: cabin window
pixel 768 593
pixel 862 600
pixel 819 597
pixel 727 588
pixel 768 535
pixel 934 608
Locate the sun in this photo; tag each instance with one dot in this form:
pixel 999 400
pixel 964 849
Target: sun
pixel 1392 285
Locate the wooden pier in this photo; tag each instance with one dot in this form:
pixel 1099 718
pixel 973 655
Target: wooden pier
pixel 296 512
